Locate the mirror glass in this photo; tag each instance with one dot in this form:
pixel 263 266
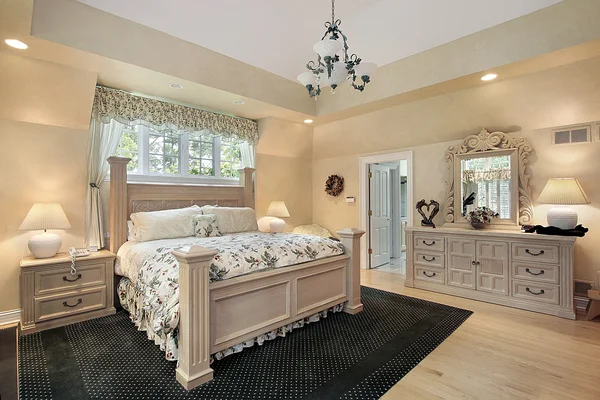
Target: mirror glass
pixel 486 182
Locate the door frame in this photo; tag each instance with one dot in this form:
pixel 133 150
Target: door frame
pixel 363 190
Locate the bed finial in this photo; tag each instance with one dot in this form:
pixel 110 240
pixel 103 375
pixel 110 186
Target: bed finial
pixel 118 201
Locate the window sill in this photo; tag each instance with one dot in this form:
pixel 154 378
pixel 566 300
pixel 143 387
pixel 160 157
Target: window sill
pixel 185 180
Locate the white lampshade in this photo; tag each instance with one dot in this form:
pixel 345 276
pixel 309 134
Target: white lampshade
pixel 44 216
pixel 307 78
pixel 365 68
pixel 327 47
pixel 278 209
pixel 563 191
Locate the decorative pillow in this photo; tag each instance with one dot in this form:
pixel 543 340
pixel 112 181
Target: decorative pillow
pixel 233 219
pixel 132 232
pixel 314 229
pixel 206 225
pixel 165 224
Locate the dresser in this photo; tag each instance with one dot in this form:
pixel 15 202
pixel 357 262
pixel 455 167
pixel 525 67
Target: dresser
pixel 52 296
pixel 522 270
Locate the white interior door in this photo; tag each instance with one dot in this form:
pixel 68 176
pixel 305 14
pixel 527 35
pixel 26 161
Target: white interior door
pixel 379 215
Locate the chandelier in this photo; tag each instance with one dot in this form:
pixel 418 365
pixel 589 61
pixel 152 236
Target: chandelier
pixel 330 69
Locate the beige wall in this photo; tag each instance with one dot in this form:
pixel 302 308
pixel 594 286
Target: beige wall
pixel 38 163
pixel 44 115
pixel 45 93
pixel 283 169
pixel 527 105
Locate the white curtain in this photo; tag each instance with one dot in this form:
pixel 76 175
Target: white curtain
pixel 247 153
pixel 103 142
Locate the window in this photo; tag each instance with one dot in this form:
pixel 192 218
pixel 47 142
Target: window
pixel 179 155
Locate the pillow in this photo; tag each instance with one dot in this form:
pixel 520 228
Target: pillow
pixel 206 225
pixel 132 232
pixel 233 219
pixel 165 224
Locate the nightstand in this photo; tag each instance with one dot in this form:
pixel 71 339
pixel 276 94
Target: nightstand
pixel 51 296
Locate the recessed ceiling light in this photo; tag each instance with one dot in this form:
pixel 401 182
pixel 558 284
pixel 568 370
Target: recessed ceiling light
pixel 489 77
pixel 308 121
pixel 175 85
pixel 238 102
pixel 17 44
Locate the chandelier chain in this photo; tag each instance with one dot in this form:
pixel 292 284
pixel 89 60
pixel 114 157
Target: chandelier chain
pixel 332 12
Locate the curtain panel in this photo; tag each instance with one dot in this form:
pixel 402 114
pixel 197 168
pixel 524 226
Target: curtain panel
pixel 472 175
pixel 103 142
pixel 113 104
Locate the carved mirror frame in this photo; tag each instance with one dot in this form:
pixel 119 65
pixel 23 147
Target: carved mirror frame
pixel 494 142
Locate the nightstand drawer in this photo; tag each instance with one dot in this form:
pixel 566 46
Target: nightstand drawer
pixel 57 280
pixel 71 303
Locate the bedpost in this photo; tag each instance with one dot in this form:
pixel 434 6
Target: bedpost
pixel 118 201
pixel 351 241
pixel 247 181
pixel 194 316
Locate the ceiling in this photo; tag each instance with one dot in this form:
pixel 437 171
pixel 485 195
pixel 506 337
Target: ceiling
pixel 277 36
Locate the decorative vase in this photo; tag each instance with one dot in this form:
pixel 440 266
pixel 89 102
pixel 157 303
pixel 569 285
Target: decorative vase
pixel 477 225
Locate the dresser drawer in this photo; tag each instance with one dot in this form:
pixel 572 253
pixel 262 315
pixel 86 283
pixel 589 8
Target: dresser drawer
pixel 536 291
pixel 60 279
pixel 429 242
pixel 535 252
pixel 536 272
pixel 429 259
pixel 61 305
pixel 435 275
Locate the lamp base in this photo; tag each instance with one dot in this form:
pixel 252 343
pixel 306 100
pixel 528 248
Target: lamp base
pixel 44 245
pixel 277 225
pixel 562 217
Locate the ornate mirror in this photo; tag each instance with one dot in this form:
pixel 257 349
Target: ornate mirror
pixel 489 169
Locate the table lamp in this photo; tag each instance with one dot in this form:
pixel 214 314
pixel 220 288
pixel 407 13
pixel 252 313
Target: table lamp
pixel 278 210
pixel 563 192
pixel 43 216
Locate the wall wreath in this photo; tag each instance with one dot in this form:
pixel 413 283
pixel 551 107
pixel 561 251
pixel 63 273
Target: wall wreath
pixel 334 185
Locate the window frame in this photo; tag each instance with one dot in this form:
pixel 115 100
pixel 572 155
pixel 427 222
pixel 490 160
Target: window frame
pixel 143 174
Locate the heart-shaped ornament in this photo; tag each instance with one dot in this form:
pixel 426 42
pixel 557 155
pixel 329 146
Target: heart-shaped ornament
pixel 426 211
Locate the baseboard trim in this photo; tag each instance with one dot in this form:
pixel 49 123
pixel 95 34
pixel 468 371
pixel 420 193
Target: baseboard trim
pixel 10 317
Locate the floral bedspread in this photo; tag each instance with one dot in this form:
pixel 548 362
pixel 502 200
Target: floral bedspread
pixel 150 291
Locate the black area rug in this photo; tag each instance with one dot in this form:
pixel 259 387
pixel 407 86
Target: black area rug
pixel 343 356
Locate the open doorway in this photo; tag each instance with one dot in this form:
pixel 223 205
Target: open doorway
pixel 386 193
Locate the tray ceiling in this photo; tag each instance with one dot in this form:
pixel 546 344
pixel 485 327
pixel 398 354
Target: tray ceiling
pixel 278 36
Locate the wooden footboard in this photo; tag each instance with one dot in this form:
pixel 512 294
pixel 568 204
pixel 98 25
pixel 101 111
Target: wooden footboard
pixel 214 316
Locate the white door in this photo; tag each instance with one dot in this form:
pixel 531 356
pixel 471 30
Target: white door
pixel 379 215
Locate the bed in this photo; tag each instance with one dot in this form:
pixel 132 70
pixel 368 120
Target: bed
pixel 215 314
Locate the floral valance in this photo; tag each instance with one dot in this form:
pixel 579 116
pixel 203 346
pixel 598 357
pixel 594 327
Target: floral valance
pixel 129 109
pixel 472 175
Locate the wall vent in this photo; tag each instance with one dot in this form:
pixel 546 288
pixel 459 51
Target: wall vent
pixel 572 135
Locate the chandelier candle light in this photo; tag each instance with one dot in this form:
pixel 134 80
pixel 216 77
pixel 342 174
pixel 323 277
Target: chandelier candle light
pixel 330 69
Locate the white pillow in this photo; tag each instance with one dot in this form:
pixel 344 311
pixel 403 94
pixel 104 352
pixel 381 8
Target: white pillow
pixel 233 219
pixel 132 232
pixel 165 224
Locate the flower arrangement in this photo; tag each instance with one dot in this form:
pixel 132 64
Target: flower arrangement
pixel 481 216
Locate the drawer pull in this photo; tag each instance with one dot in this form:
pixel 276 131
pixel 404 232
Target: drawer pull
pixel 429 244
pixel 534 254
pixel 429 259
pixel 534 293
pixel 71 280
pixel 427 275
pixel 534 273
pixel 79 301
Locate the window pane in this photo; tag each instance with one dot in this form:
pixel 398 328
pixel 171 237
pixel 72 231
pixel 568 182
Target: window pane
pixel 157 144
pixel 128 147
pixel 231 158
pixel 172 146
pixel 171 165
pixel 207 150
pixel 194 149
pixel 155 164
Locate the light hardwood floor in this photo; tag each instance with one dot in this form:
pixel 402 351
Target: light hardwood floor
pixel 501 353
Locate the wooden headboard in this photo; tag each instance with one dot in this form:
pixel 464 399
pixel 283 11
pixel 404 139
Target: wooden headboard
pixel 129 198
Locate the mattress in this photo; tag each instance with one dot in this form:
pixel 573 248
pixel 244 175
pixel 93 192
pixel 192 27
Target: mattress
pixel 150 289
